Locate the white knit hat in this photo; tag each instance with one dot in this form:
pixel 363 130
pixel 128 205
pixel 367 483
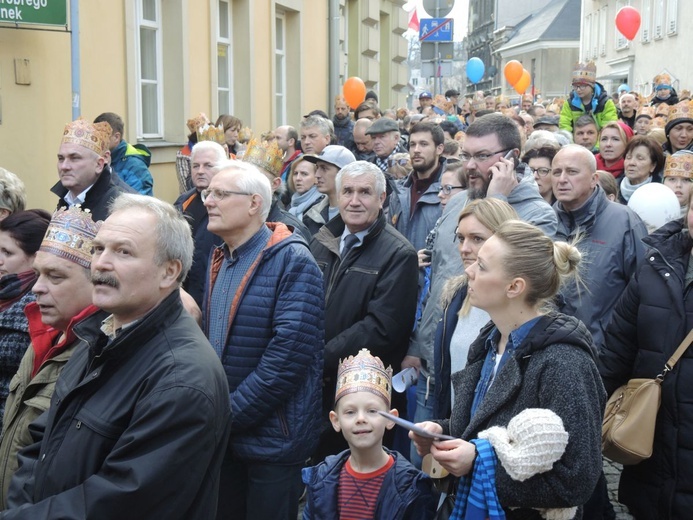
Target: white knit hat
pixel 533 441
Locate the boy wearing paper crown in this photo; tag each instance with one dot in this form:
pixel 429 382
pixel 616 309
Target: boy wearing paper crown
pixel 366 481
pixel 588 97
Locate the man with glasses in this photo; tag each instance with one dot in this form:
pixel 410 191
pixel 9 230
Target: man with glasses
pixel 490 139
pixel 587 97
pixel 263 316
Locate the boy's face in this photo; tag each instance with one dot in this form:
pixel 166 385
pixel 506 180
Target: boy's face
pixel 356 416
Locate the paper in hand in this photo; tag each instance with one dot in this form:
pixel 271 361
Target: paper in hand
pixel 416 429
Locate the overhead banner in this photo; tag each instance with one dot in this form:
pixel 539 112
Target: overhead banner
pixel 34 12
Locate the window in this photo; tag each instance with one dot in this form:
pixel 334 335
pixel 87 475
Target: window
pixel 646 33
pixel 602 31
pixel 224 54
pixel 280 69
pixel 621 41
pixel 149 69
pixel 659 19
pixel 587 37
pixel 672 16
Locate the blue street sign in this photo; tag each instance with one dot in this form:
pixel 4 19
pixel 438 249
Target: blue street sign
pixel 435 30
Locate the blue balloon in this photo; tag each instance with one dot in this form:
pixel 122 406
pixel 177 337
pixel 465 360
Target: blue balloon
pixel 475 70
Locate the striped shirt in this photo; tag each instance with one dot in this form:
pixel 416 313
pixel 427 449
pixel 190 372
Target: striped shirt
pixel 357 497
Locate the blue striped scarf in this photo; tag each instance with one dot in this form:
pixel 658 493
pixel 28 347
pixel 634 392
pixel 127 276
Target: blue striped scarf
pixel 476 495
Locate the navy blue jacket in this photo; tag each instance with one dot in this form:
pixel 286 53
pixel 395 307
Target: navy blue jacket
pixel 405 494
pixel 273 356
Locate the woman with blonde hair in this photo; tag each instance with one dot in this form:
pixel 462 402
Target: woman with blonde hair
pixel 461 322
pixel 528 366
pixel 12 193
pixel 613 139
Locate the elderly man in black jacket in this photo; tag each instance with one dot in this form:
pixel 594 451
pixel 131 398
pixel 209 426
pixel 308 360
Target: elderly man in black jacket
pixel 370 272
pixel 85 177
pixel 139 419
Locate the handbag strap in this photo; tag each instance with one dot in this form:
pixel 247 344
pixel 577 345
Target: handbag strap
pixel 676 355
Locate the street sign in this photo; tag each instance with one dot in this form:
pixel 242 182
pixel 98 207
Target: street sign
pixel 435 29
pixel 35 12
pixel 445 51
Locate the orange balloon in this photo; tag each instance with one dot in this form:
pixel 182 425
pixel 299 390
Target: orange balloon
pixel 513 71
pixel 522 85
pixel 354 91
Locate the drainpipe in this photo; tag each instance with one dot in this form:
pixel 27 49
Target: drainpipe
pixel 74 56
pixel 334 87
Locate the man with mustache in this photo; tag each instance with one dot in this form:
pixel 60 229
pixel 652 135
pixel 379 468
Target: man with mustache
pixel 138 423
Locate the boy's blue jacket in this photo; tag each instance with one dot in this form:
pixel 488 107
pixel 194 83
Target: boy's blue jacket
pixel 406 492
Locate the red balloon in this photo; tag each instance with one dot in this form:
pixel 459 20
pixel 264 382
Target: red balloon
pixel 628 21
pixel 354 91
pixel 513 71
pixel 523 83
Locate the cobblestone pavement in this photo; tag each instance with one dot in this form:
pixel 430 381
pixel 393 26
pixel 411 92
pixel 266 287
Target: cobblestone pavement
pixel 612 472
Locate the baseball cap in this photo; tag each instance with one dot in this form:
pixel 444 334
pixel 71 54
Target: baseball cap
pixel 333 154
pixel 425 94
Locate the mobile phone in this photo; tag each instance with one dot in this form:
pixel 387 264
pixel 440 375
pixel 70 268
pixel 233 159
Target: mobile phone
pixel 428 254
pixel 510 155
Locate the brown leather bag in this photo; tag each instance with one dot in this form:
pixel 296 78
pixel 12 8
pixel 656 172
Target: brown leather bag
pixel 631 415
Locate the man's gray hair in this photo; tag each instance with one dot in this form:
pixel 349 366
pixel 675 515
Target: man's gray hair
pixel 215 148
pixel 251 181
pixel 173 234
pixel 359 168
pixel 318 122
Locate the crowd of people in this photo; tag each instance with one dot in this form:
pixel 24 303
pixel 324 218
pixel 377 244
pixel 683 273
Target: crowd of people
pixel 233 353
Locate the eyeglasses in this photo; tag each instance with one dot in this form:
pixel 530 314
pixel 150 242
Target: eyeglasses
pixel 541 172
pixel 447 188
pixel 580 86
pixel 480 157
pixel 401 161
pixel 217 194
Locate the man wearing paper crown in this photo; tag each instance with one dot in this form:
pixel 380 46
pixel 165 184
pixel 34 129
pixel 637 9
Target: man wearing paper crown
pixel 269 159
pixel 85 178
pixel 63 298
pixel 367 481
pixel 138 422
pixel 588 97
pixel 679 128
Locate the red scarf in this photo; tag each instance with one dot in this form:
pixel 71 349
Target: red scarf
pixel 44 337
pixel 15 286
pixel 615 169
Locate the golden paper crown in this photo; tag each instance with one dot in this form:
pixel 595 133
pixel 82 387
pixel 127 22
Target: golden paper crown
pixel 94 136
pixel 209 132
pixel 70 235
pixel 266 155
pixel 245 134
pixel 662 109
pixel 585 73
pixel 683 110
pixel 680 165
pixel 478 103
pixel 197 121
pixel 443 104
pixel 645 111
pixel 528 97
pixel 662 79
pixel 364 373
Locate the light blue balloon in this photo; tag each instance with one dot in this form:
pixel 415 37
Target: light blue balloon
pixel 475 70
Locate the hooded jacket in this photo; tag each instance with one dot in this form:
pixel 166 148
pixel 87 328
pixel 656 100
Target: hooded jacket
pixel 405 493
pixel 552 368
pixel 602 108
pixel 611 247
pixel 131 163
pixel 651 319
pixel 416 223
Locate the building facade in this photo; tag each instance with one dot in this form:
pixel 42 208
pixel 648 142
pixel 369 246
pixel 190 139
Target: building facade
pixel 159 62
